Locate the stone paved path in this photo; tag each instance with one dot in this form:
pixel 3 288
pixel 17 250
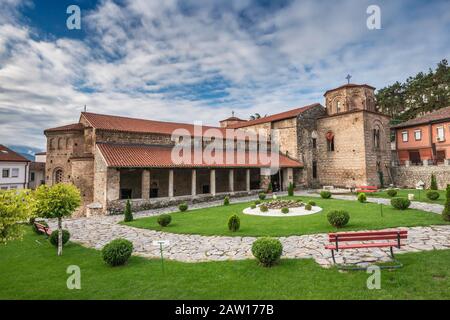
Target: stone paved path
pixel 97 231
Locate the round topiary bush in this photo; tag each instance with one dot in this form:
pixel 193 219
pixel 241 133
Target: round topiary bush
pixel 312 203
pixel 325 194
pixel 226 201
pixel 183 207
pixel 362 197
pixel 54 237
pixel 261 196
pixel 117 252
pixel 432 195
pixel 400 203
pixel 308 207
pixel 257 202
pixel 267 251
pixel 391 192
pixel 234 223
pixel 284 210
pixel 164 220
pixel 36 229
pixel 263 208
pixel 338 218
pixel 253 206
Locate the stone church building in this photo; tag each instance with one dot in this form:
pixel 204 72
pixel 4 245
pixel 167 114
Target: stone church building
pixel 111 158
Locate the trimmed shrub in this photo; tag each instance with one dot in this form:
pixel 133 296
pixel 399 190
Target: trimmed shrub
pixel 391 192
pixel 117 252
pixel 164 220
pixel 362 197
pixel 54 237
pixel 234 223
pixel 446 211
pixel 312 203
pixel 128 214
pixel 226 201
pixel 433 183
pixel 267 251
pixel 263 208
pixel 432 195
pixel 253 206
pixel 325 194
pixel 400 203
pixel 291 189
pixel 308 207
pixel 183 207
pixel 36 229
pixel 284 210
pixel 298 200
pixel 262 196
pixel 338 218
pixel 257 202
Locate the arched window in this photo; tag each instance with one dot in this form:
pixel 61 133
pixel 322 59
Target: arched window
pixel 51 144
pixel 376 137
pixel 58 176
pixel 330 141
pixel 60 143
pixel 338 106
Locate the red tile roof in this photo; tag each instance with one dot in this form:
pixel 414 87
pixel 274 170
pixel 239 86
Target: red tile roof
pixel 349 85
pixel 134 156
pixel 69 127
pixel 275 117
pixel 441 114
pixel 117 123
pixel 8 155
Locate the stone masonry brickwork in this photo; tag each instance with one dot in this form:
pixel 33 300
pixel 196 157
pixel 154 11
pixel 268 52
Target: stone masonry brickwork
pixel 409 176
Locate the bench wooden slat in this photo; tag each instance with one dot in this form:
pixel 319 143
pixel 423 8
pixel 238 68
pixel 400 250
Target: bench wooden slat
pixel 368 233
pixel 362 245
pixel 367 238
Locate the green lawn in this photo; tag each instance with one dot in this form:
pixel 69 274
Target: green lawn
pixel 419 195
pixel 30 269
pixel 213 221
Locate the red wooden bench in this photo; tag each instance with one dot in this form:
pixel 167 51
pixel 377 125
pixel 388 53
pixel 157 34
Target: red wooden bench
pixel 367 239
pixel 367 189
pixel 43 228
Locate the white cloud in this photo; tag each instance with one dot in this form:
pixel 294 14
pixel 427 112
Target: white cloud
pixel 144 58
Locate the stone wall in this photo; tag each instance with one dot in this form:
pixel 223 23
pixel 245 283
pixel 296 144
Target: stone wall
pixel 117 206
pixel 409 176
pixel 306 153
pixel 346 165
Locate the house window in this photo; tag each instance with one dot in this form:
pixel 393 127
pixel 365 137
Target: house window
pixel 32 176
pixel 15 172
pixel 440 134
pixel 418 135
pixel 4 188
pixel 314 143
pixel 405 136
pixel 5 173
pixel 13 187
pixel 314 169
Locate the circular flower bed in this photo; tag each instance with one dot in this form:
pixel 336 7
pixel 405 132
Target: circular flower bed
pixel 274 209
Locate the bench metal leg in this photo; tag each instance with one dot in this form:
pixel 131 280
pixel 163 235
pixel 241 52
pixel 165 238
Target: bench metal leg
pixel 332 255
pixel 392 252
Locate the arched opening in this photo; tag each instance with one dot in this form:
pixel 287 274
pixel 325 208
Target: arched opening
pixel 60 143
pixel 58 176
pixel 330 141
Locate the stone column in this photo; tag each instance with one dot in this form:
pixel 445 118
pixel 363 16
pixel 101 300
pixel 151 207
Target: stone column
pixel 247 180
pixel 231 180
pixel 112 184
pixel 145 184
pixel 265 177
pixel 171 183
pixel 212 182
pixel 290 176
pixel 194 182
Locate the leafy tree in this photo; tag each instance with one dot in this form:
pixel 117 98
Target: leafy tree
pixel 420 94
pixel 57 201
pixel 15 207
pixel 446 212
pixel 128 213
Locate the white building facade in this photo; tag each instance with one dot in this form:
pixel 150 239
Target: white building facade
pixel 14 170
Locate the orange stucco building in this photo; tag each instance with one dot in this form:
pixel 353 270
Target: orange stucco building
pixel 424 140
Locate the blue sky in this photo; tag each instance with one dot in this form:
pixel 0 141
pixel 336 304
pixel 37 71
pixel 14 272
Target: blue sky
pixel 200 59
